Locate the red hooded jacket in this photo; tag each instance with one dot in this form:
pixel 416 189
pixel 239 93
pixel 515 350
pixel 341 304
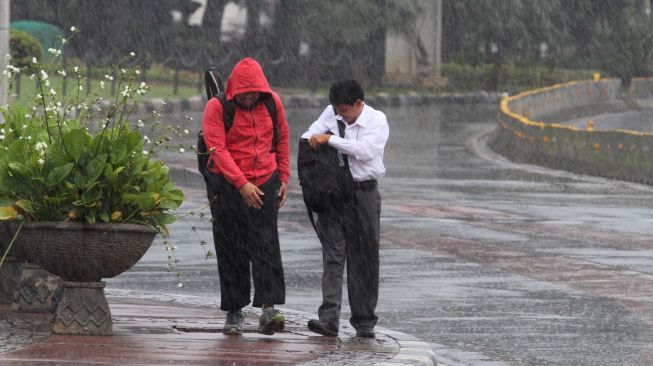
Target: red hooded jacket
pixel 243 155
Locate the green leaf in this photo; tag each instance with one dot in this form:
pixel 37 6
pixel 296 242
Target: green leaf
pixel 18 151
pixel 91 217
pixel 143 200
pixel 168 205
pixel 109 173
pixel 76 141
pixel 58 174
pixel 79 180
pixel 93 194
pixel 104 216
pixel 102 142
pixel 25 205
pixel 139 163
pixel 118 151
pixel 95 168
pixel 134 142
pixel 165 218
pixel 56 201
pixel 20 169
pixel 175 195
pixel 57 156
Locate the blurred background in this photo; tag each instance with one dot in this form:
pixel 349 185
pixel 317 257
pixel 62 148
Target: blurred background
pixel 423 45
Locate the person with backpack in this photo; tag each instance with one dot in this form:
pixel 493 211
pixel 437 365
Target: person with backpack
pixel 246 136
pixel 348 225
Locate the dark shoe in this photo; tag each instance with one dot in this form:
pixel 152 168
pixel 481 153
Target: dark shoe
pixel 365 333
pixel 235 323
pixel 271 321
pixel 322 327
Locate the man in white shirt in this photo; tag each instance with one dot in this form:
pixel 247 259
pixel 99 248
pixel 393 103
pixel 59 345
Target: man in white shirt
pixel 349 233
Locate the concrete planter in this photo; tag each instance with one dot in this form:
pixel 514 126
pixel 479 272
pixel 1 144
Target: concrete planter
pixel 83 254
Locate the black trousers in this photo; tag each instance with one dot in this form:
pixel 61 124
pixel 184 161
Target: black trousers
pixel 349 235
pixel 246 236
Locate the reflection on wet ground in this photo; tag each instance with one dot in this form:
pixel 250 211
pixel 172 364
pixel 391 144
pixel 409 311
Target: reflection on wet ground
pixel 494 263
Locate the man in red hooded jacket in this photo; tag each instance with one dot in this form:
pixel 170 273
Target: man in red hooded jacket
pixel 250 187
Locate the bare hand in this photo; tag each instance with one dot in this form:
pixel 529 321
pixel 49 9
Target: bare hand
pixel 283 194
pixel 251 195
pixel 319 139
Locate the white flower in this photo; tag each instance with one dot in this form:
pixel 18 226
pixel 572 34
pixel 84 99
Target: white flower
pixel 53 92
pixel 2 137
pixel 138 72
pixel 29 137
pixel 181 150
pixel 186 132
pixel 145 152
pixel 24 127
pixel 140 123
pixel 41 161
pixel 76 68
pixel 63 41
pixel 123 71
pixel 73 28
pixel 44 75
pixel 101 84
pixel 163 102
pixel 81 88
pixel 132 54
pixel 108 77
pixel 34 61
pixel 180 284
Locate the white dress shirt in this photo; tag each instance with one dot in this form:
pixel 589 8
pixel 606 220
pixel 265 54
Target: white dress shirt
pixel 363 143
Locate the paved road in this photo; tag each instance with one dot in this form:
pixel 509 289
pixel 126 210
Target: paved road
pixel 493 263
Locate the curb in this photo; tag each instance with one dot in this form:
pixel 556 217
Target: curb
pixel 196 103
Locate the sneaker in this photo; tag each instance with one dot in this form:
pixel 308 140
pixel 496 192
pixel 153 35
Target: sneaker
pixel 235 323
pixel 271 321
pixel 365 333
pixel 322 327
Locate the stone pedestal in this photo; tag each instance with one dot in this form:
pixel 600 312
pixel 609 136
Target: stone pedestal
pixel 38 291
pixel 9 278
pixel 83 310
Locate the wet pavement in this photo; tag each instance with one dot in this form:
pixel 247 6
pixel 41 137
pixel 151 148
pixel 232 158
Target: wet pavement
pixel 490 262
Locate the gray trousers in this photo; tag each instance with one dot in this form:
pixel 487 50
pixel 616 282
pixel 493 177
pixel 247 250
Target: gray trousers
pixel 350 235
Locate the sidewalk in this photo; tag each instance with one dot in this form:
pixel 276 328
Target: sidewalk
pixel 160 329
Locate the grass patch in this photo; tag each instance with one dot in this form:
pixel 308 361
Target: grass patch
pixel 27 89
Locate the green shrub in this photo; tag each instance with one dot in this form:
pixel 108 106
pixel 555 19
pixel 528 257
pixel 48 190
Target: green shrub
pixel 23 47
pixel 512 77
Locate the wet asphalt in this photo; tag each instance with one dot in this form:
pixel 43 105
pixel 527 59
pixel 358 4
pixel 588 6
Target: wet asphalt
pixel 492 262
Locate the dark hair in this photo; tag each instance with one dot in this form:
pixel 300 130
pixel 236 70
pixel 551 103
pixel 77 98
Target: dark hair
pixel 346 92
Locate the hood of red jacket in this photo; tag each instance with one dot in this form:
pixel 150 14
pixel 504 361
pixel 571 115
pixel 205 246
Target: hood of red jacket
pixel 247 76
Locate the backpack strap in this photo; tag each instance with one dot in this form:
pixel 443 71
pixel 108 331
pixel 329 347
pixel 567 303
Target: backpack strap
pixel 341 132
pixel 271 106
pixel 228 111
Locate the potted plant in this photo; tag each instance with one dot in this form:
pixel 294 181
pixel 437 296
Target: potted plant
pixel 80 187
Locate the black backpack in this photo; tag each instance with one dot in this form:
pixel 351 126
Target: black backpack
pixel 214 84
pixel 324 176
